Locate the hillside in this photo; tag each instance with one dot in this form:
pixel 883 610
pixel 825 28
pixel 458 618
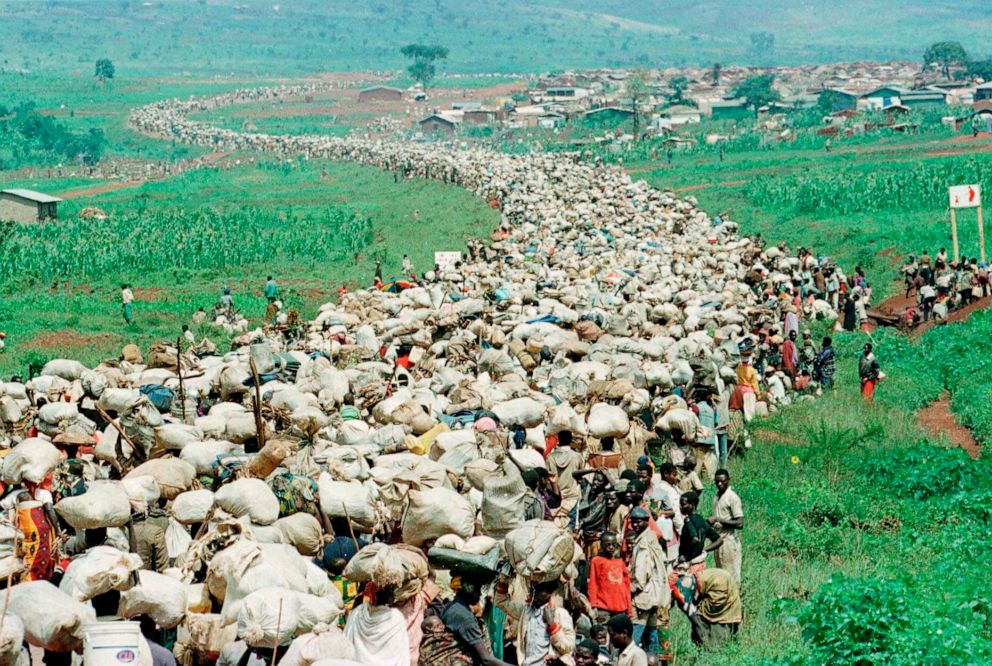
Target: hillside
pixel 254 37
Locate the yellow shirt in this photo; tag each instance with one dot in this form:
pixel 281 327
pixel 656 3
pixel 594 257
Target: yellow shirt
pixel 748 376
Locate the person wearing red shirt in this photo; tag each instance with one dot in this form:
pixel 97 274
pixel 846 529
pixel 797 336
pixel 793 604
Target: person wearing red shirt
pixel 609 580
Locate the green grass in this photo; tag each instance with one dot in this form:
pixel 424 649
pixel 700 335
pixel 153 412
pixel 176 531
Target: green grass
pixel 78 315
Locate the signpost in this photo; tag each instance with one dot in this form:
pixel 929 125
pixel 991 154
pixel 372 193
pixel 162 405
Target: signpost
pixel 966 196
pixel 447 260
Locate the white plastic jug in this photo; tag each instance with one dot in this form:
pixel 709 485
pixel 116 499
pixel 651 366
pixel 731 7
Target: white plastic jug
pixel 111 643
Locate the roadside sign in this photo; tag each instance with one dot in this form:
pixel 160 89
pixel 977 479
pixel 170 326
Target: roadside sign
pixel 446 260
pixel 966 196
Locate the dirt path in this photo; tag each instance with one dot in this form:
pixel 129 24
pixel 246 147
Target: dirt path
pixel 937 419
pixel 206 160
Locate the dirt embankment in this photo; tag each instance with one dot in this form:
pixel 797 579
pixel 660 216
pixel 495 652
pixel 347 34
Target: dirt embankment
pixel 937 420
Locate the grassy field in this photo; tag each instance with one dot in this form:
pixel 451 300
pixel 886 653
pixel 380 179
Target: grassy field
pixel 261 38
pixel 63 298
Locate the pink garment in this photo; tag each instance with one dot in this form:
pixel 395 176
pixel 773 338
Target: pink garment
pixel 413 613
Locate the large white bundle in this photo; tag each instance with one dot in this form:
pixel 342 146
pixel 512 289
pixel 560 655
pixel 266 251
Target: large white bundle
pixel 680 420
pixel 289 398
pixel 347 499
pixel 31 460
pixel 172 474
pixel 502 501
pixel 528 458
pixel 142 492
pixel 539 550
pixel 203 455
pixel 241 428
pixel 10 410
pixel 324 642
pixel 104 504
pixel 65 368
pixel 316 611
pixel 192 506
pixel 308 420
pixel 93 383
pixel 119 400
pixel 269 617
pixel 525 412
pixel 52 619
pixel 275 565
pixel 249 497
pixel 564 417
pixel 212 426
pixel 12 652
pixel 160 597
pixel 176 436
pixel 435 512
pixel 607 421
pixel 346 463
pixel 303 532
pixel 99 570
pixel 452 439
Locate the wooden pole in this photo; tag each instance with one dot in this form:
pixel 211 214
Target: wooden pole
pixel 179 373
pixel 259 425
pixel 135 449
pixel 981 235
pixel 954 235
pixel 275 643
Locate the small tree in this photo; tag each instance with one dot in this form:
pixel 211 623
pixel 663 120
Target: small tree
pixel 758 91
pixel 104 70
pixel 715 71
pixel 944 55
pixel 423 56
pixel 637 91
pixel 678 84
pixel 826 101
pixel 981 69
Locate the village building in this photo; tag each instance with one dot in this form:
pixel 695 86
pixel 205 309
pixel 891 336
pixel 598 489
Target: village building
pixel 18 205
pixel 983 92
pixel 733 109
pixel 380 94
pixel 437 124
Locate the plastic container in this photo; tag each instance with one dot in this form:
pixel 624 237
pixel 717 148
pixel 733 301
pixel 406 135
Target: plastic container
pixel 111 643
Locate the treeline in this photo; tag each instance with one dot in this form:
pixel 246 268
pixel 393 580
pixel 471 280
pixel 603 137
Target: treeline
pixel 26 135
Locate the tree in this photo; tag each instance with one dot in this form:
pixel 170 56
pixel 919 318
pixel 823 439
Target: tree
pixel 715 73
pixel 826 101
pixel 945 54
pixel 678 85
pixel 758 91
pixel 979 69
pixel 637 91
pixel 423 56
pixel 104 69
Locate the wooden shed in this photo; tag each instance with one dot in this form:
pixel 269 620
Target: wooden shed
pixel 27 206
pixel 436 124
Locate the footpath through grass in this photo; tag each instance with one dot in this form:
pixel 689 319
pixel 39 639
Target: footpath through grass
pixel 177 242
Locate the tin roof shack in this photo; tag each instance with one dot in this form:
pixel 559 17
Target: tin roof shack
pixel 733 109
pixel 841 99
pixel 27 206
pixel 607 117
pixel 436 125
pixel 886 96
pixel 380 94
pixel 983 92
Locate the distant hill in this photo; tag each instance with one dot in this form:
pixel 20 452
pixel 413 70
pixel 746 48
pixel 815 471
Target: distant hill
pixel 297 36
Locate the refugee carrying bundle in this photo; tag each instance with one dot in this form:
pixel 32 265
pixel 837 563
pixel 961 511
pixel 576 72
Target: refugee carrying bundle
pixel 52 619
pixel 399 566
pixel 269 617
pixel 31 460
pixel 303 532
pixel 502 501
pixel 347 499
pixel 607 421
pixel 192 506
pixel 249 497
pixel 172 475
pixel 99 570
pixel 104 504
pixel 325 641
pixel 434 512
pixel 160 597
pixel 539 550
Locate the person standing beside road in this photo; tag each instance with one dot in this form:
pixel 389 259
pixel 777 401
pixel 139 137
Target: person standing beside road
pixel 127 307
pixel 727 520
pixel 869 372
pixel 825 365
pixel 271 290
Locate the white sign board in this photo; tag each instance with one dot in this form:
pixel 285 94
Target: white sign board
pixel 447 260
pixel 966 196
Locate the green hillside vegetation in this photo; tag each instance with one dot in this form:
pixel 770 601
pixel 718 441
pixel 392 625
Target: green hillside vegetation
pixel 177 242
pixel 262 38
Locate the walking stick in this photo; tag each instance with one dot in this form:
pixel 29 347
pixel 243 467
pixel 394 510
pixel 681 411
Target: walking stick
pixel 259 428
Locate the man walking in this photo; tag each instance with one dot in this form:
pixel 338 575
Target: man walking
pixel 869 372
pixel 648 581
pixel 127 298
pixel 727 520
pixel 271 290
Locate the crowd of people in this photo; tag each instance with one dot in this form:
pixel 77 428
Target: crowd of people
pixel 942 286
pixel 504 460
